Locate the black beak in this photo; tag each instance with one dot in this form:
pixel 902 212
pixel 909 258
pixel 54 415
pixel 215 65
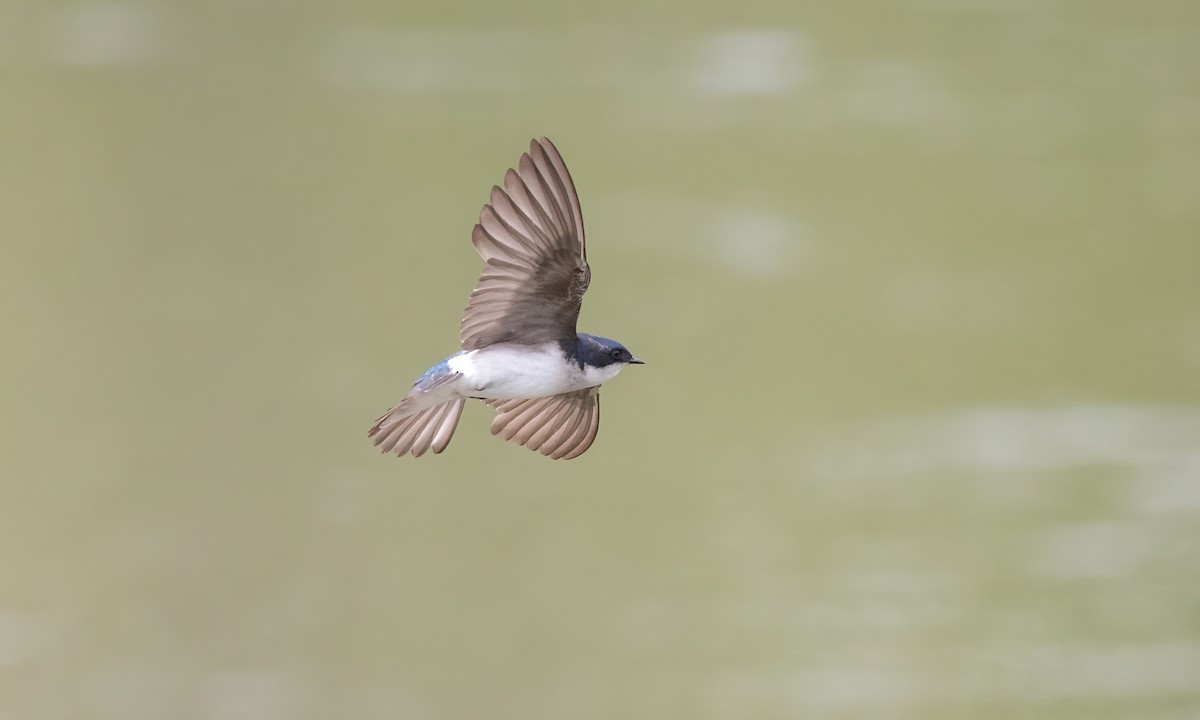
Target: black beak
pixel 635 361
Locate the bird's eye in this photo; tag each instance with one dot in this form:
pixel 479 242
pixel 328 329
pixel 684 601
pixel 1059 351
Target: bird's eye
pixel 616 354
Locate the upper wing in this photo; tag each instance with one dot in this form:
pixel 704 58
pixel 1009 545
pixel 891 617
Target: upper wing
pixel 560 426
pixel 535 272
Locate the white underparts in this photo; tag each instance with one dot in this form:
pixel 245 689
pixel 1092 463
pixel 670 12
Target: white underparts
pixel 504 371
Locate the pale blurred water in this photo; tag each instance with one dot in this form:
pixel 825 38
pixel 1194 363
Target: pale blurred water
pixel 919 436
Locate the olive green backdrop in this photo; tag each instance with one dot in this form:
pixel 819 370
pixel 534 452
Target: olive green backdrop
pixel 916 282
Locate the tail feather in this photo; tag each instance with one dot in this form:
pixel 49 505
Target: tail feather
pixel 401 431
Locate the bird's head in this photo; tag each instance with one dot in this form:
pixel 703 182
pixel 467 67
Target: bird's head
pixel 601 352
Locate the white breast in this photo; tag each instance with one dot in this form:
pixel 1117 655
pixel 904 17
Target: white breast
pixel 506 371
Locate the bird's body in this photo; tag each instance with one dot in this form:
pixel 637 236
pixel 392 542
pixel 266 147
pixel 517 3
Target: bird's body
pixel 506 371
pixel 521 353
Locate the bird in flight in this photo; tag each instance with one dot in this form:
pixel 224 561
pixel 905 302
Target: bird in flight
pixel 521 354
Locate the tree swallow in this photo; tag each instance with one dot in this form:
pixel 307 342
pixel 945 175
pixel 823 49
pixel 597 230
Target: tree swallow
pixel 521 354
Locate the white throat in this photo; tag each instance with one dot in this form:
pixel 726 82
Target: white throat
pixel 592 376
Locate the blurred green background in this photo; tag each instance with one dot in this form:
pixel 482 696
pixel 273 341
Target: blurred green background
pixel 919 436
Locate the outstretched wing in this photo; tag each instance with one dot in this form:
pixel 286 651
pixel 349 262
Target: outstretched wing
pixel 559 426
pixel 530 236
